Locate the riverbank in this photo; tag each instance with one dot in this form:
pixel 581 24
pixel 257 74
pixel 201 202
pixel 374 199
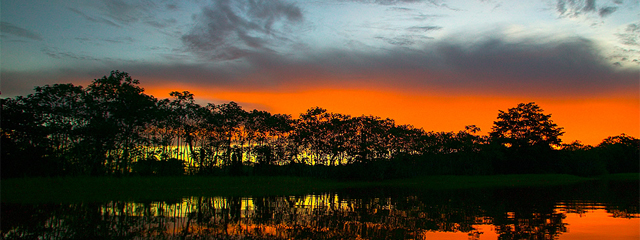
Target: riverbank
pixel 88 189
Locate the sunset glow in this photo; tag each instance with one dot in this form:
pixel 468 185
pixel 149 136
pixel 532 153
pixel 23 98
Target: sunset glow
pixel 586 120
pixel 438 65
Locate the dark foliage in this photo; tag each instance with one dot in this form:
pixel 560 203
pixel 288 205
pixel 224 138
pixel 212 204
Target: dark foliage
pixel 113 128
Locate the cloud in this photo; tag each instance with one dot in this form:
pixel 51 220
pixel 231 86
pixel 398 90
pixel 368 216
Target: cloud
pixel 122 13
pixel 96 19
pixel 423 28
pixel 589 5
pixel 125 12
pixel 436 3
pixel 408 36
pixel 631 35
pixel 575 8
pixel 568 66
pixel 384 2
pixel 113 40
pixel 606 11
pixel 161 23
pixel 490 66
pixel 560 68
pixel 8 28
pixel 234 29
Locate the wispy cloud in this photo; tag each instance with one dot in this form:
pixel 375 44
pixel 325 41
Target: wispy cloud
pixel 122 11
pixel 58 54
pixel 8 28
pixel 384 2
pixel 98 41
pixel 94 19
pixel 575 8
pixel 434 3
pixel 234 29
pixel 423 28
pixel 631 35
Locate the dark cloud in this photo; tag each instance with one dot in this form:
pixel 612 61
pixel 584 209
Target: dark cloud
pixel 570 66
pixel 8 28
pixel 560 68
pixel 556 68
pixel 564 68
pixel 606 11
pixel 589 5
pixel 234 29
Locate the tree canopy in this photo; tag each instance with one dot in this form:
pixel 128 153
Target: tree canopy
pixel 112 127
pixel 524 126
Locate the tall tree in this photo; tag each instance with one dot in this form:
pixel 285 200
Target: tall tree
pixel 524 126
pixel 118 113
pixel 62 110
pixel 529 136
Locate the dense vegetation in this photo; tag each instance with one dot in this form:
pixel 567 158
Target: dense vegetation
pixel 112 127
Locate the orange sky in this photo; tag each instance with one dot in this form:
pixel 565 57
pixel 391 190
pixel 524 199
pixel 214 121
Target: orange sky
pixel 587 120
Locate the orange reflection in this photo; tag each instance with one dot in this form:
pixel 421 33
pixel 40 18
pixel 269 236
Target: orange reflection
pixel 481 232
pixel 588 120
pixel 600 225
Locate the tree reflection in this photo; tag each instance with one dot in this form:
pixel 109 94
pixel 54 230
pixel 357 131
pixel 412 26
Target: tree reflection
pixel 386 214
pixel 531 226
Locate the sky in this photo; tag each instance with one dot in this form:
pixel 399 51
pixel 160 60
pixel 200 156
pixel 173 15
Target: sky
pixel 436 64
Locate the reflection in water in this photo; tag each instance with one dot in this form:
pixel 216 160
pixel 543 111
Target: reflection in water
pixel 514 213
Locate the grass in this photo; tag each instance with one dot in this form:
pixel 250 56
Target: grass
pixel 90 189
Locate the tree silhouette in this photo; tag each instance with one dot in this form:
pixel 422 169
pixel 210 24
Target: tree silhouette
pixel 524 126
pixel 529 136
pixel 620 153
pixel 118 112
pixel 113 128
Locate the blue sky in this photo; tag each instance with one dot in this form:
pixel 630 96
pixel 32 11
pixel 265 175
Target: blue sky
pixel 565 50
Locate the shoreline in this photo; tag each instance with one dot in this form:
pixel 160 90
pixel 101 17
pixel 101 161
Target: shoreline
pixel 96 189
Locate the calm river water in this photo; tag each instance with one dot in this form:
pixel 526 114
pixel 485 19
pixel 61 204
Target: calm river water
pixel 594 210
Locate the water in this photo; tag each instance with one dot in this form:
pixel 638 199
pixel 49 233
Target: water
pixel 597 210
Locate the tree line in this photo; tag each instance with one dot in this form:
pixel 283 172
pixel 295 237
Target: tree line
pixel 112 127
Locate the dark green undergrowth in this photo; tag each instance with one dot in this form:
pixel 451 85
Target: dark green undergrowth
pixel 98 189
